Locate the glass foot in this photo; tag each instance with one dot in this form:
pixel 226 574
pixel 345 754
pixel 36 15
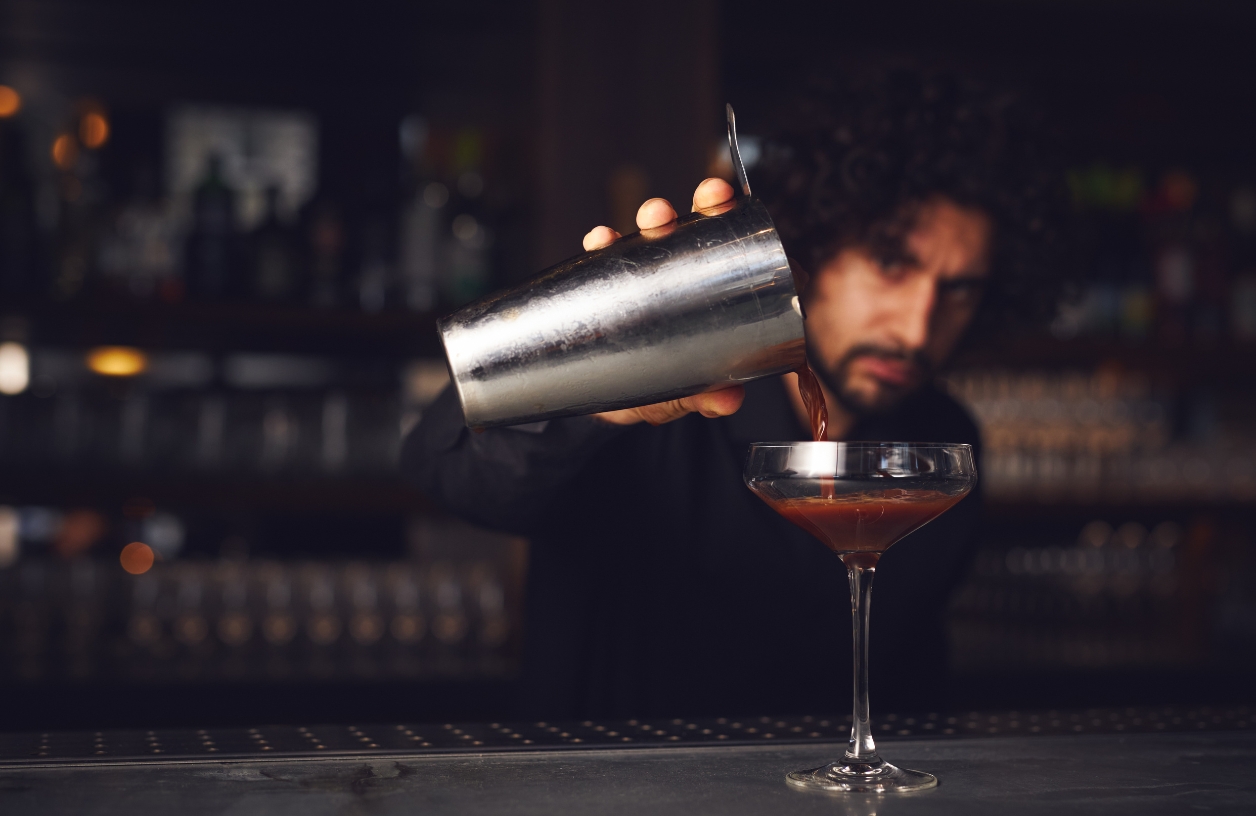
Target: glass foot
pixel 876 776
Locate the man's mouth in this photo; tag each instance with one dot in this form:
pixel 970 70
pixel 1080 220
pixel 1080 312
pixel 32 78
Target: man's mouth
pixel 891 371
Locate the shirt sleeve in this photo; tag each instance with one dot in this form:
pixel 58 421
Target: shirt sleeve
pixel 504 478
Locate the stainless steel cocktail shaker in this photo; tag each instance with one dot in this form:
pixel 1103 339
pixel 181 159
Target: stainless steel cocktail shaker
pixel 699 304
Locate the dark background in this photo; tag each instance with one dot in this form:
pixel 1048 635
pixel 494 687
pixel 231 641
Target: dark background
pixel 581 111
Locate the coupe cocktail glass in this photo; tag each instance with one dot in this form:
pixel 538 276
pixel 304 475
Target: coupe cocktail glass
pixel 858 498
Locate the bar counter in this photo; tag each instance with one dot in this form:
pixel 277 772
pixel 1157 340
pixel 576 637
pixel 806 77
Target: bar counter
pixel 1129 761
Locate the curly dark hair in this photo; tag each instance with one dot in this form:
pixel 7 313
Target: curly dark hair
pixel 854 160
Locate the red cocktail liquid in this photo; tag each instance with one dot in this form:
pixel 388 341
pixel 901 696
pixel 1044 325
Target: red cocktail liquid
pixel 813 399
pixel 861 526
pixel 817 412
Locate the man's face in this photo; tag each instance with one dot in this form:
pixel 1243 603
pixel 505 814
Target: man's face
pixel 875 332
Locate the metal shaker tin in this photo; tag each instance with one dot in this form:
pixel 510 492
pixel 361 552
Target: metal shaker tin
pixel 702 303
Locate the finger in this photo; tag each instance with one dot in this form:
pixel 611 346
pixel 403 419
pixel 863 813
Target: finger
pixel 720 403
pixel 714 404
pixel 662 412
pixel 655 213
pixel 710 405
pixel 624 416
pixel 599 237
pixel 712 193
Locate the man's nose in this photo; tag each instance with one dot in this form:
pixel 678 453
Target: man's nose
pixel 913 312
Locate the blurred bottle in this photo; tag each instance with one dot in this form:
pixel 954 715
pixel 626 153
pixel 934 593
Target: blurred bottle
pixel 279 625
pixel 19 267
pixel 133 429
pixel 1116 298
pixel 67 424
pixel 212 260
pixel 375 275
pixel 74 236
pixel 421 229
pixel 494 621
pixel 1209 236
pixel 366 624
pixel 1138 310
pixel 322 625
pixel 326 247
pixel 144 627
pixel 468 243
pixel 1103 307
pixel 1175 286
pixel 373 433
pixel 450 621
pixel 1243 307
pixel 139 253
pixel 1138 304
pixel 31 618
pixel 280 430
pixel 422 219
pixel 272 255
pixel 211 420
pixel 235 626
pixel 1243 264
pixel 1176 261
pixel 190 626
pixel 334 451
pixel 408 624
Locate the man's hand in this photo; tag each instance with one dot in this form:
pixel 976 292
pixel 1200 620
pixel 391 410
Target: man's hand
pixel 711 195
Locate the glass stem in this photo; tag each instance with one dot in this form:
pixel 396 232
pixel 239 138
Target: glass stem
pixel 862 748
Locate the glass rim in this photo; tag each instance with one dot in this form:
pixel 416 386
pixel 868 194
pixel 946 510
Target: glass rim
pixel 868 445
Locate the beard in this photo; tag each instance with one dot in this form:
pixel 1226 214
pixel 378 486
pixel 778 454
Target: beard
pixel 837 378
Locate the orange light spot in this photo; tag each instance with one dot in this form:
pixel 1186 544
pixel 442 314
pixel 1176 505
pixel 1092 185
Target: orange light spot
pixel 10 102
pixel 117 361
pixel 136 558
pixel 64 151
pixel 93 130
pixel 78 533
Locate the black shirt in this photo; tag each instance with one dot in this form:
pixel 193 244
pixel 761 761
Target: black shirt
pixel 659 585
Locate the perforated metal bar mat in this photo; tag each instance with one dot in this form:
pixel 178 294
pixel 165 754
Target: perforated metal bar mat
pixel 215 744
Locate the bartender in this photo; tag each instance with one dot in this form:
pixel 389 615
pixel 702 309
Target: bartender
pixel 658 584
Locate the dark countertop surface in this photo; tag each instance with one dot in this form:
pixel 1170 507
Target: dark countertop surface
pixel 1112 774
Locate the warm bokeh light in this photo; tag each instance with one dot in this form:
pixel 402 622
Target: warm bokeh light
pixel 137 558
pixel 10 101
pixel 79 531
pixel 10 541
pixel 15 368
pixel 93 130
pixel 117 361
pixel 64 151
